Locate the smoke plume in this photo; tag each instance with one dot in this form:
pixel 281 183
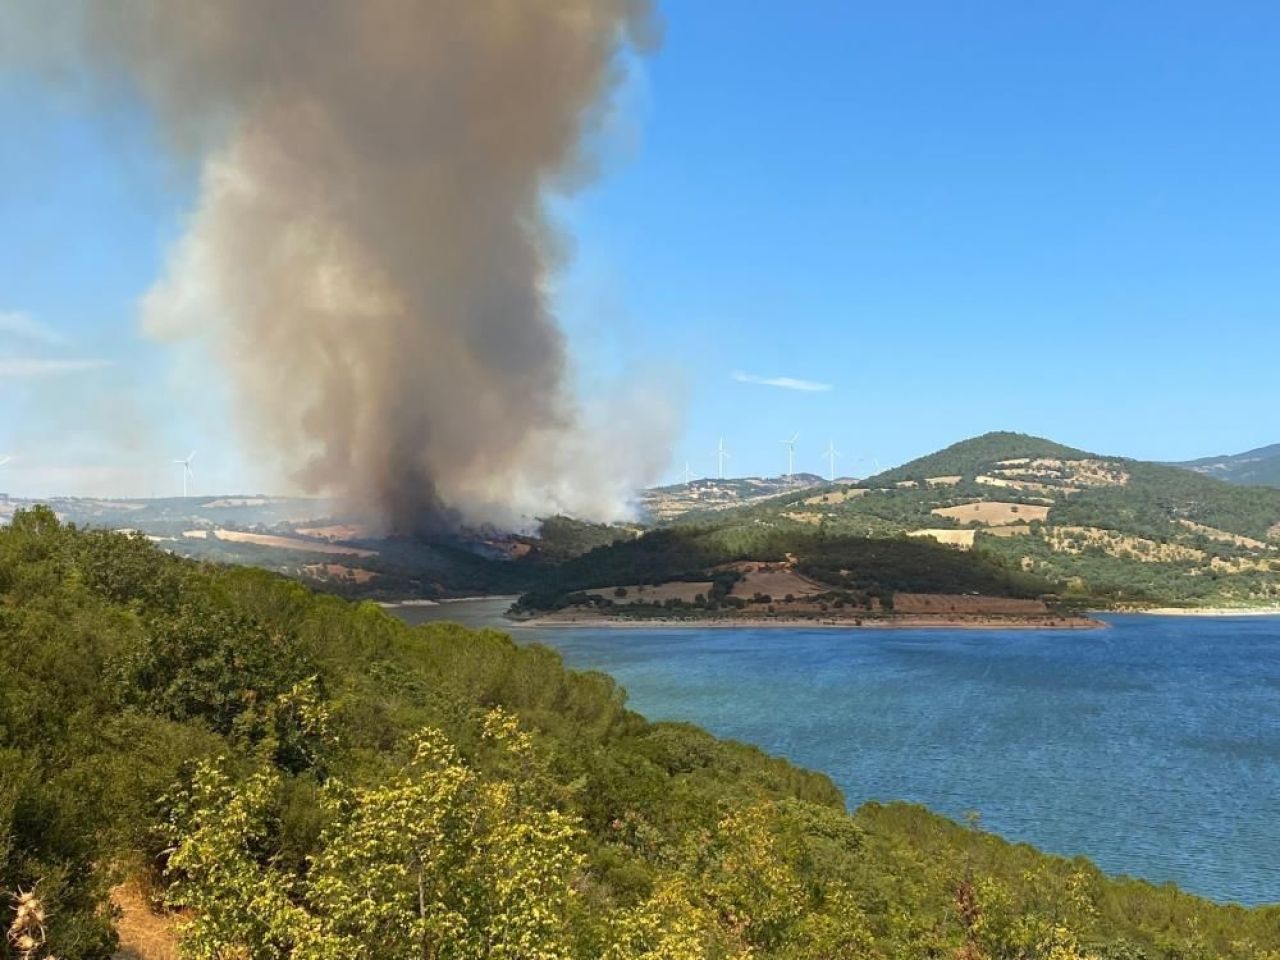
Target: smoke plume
pixel 369 255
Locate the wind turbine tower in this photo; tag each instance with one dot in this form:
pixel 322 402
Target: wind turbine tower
pixel 831 455
pixel 186 470
pixel 688 474
pixel 791 454
pixel 721 456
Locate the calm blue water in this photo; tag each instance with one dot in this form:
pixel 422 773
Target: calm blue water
pixel 1152 747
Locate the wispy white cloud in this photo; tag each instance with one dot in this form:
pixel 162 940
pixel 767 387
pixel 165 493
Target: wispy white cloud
pixel 26 327
pixel 36 367
pixel 786 383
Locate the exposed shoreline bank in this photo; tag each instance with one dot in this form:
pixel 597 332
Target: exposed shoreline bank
pixel 801 623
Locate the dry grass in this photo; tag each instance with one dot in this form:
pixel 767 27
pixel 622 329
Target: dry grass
pixel 834 497
pixel 952 538
pixel 1073 473
pixel 1075 539
pixel 239 502
pixel 938 603
pixel 775 579
pixel 943 481
pixel 338 571
pixel 291 543
pixel 1243 565
pixel 336 531
pixel 1007 484
pixel 1009 530
pixel 1213 533
pixel 144 934
pixel 993 513
pixel 810 518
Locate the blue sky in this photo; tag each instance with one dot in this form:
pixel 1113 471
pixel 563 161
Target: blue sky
pixel 959 217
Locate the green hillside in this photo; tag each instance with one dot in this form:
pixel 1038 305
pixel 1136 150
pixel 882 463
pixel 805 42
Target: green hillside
pixel 968 458
pixel 304 777
pixel 865 567
pixel 1101 529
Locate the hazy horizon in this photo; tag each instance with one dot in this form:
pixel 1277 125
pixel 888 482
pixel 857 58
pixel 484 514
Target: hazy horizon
pixel 888 229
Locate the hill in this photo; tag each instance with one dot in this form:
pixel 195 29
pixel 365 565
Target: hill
pixel 299 776
pixel 972 457
pixel 1103 529
pixel 1260 467
pixel 718 571
pixel 659 504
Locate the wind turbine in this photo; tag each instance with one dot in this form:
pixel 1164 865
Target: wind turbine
pixel 721 456
pixel 688 474
pixel 791 454
pixel 4 460
pixel 186 470
pixel 831 455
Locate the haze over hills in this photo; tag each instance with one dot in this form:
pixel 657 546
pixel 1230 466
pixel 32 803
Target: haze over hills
pixel 1099 528
pixel 708 493
pixel 1260 467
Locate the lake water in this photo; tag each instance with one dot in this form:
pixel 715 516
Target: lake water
pixel 1152 747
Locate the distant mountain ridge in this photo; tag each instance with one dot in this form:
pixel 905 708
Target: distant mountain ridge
pixel 1258 468
pixel 707 493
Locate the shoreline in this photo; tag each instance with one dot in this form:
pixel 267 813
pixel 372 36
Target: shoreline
pixel 907 622
pixel 1204 611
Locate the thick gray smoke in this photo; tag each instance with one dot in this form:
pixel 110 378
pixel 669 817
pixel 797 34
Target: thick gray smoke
pixel 369 255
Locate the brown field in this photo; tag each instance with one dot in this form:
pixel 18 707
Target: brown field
pixel 1213 533
pixel 196 534
pixel 834 497
pixel 943 481
pixel 338 571
pixel 939 603
pixel 993 513
pixel 291 543
pixel 952 538
pixel 775 579
pixel 648 593
pixel 336 531
pixel 813 518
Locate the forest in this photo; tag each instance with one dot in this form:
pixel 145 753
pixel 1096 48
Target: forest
pixel 871 567
pixel 294 775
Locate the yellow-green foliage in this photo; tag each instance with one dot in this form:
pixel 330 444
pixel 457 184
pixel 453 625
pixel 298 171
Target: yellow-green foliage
pixel 312 779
